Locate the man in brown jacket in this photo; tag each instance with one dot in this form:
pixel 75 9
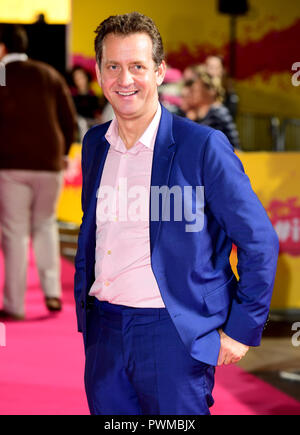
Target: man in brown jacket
pixel 37 124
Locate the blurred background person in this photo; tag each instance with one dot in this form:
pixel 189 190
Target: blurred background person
pixel 202 102
pixel 88 105
pixel 186 107
pixel 86 101
pixel 189 72
pixel 37 122
pixel 215 67
pixel 169 91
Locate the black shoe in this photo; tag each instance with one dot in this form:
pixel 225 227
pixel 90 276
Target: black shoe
pixel 5 315
pixel 53 304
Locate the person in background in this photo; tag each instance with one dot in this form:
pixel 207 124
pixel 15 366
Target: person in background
pixel 202 100
pixel 86 101
pixel 37 125
pixel 189 72
pixel 215 67
pixel 169 91
pixel 186 101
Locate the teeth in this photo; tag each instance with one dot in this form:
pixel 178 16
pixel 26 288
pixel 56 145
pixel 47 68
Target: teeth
pixel 126 94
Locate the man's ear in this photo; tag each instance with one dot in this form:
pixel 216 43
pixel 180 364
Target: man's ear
pixel 160 73
pixel 98 74
pixel 3 51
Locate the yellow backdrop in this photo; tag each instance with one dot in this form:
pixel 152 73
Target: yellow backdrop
pixel 26 11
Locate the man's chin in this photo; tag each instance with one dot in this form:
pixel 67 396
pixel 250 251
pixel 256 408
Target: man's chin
pixel 127 113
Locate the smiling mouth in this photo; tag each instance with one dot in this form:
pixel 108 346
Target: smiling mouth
pixel 126 94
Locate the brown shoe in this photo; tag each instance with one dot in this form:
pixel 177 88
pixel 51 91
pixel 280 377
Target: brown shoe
pixel 5 315
pixel 53 304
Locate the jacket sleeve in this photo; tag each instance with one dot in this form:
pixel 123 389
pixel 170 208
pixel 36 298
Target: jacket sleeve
pixel 79 279
pixel 229 195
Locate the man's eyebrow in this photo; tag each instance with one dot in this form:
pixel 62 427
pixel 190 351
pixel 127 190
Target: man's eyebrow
pixel 108 61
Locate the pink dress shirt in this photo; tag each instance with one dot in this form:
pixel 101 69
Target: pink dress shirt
pixel 123 267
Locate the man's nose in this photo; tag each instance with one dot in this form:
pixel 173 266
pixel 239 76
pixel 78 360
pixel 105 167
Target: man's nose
pixel 125 78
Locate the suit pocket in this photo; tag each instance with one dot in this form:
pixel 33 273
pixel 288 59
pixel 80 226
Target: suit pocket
pixel 220 298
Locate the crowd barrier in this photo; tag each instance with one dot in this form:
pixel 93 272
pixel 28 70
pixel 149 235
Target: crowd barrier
pixel 268 133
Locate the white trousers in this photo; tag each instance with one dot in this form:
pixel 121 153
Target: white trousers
pixel 28 210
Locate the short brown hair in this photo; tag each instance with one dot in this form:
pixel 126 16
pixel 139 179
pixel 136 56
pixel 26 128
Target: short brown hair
pixel 14 38
pixel 128 24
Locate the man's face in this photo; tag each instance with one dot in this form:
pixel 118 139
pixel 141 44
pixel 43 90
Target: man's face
pixel 186 98
pixel 200 94
pixel 214 66
pixel 128 75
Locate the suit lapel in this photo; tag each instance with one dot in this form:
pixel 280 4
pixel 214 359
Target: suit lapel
pixel 93 177
pixel 94 174
pixel 164 150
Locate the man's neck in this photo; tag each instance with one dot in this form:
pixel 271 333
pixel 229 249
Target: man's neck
pixel 130 130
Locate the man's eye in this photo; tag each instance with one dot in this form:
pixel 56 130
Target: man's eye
pixel 138 67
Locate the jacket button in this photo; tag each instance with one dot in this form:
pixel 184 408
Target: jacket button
pixel 82 304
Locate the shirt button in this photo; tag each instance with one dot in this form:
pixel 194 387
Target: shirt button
pixel 107 283
pixel 108 252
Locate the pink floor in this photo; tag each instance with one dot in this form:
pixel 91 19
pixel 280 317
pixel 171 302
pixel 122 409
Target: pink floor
pixel 41 367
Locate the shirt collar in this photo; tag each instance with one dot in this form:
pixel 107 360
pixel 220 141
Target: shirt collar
pixel 147 138
pixel 14 57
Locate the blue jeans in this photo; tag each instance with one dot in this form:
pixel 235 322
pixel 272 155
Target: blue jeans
pixel 136 364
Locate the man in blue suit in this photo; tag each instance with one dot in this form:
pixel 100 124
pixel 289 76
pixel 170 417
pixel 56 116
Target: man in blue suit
pixel 156 298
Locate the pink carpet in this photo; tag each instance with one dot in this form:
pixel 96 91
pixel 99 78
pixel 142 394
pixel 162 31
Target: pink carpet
pixel 41 367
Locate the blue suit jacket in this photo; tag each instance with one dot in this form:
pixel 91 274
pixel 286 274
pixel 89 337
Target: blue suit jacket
pixel 192 269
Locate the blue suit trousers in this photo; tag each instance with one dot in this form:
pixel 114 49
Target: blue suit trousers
pixel 136 364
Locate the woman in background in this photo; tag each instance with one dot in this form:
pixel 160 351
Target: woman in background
pixel 202 102
pixel 86 102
